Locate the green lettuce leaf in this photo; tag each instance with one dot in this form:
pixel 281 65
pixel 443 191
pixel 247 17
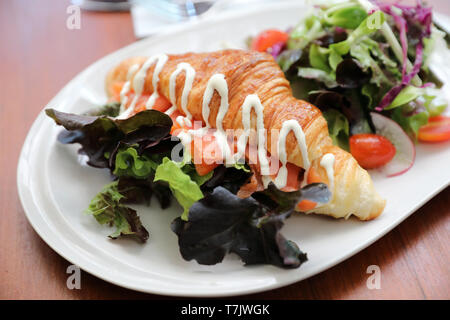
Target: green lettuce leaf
pixel 338 127
pixel 362 52
pixel 107 208
pixel 288 58
pixel 319 75
pixel 347 16
pixel 369 25
pixel 430 98
pixel 184 188
pixel 318 58
pixel 190 170
pixel 110 109
pixel 306 31
pixel 408 94
pixel 410 122
pixel 129 163
pixel 242 166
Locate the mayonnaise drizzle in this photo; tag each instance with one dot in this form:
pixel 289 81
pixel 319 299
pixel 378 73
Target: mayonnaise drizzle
pixel 126 88
pixel 252 102
pixel 218 83
pixel 139 82
pixel 288 126
pixel 189 80
pixel 160 62
pixel 327 162
pixel 171 110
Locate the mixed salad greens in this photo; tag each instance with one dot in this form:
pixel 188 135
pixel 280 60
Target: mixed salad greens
pixel 215 221
pixel 354 59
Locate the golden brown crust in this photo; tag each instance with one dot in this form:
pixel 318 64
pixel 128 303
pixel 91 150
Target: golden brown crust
pixel 353 191
pixel 250 72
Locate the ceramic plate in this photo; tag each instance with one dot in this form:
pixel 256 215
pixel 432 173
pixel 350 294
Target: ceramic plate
pixel 55 189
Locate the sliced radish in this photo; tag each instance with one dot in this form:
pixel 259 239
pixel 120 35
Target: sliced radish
pixel 405 149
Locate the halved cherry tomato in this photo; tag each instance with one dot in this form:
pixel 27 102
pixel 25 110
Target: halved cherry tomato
pixel 436 130
pixel 268 38
pixel 371 150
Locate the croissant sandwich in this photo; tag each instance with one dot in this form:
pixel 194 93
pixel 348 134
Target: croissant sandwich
pixel 246 90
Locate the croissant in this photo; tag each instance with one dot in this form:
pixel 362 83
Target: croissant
pixel 221 85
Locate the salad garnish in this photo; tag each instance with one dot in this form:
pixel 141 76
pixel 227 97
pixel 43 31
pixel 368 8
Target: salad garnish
pixel 357 57
pixel 214 222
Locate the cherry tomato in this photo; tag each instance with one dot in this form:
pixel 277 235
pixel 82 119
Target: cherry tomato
pixel 371 150
pixel 268 38
pixel 436 130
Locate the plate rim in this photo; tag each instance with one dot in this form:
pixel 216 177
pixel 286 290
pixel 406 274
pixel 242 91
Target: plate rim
pixel 71 255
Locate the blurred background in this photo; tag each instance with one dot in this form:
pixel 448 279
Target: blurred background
pixel 153 16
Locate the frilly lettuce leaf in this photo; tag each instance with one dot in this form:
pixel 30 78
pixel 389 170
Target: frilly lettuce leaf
pixel 430 98
pixel 221 223
pixel 101 135
pixel 307 30
pixel 318 58
pixel 107 208
pixel 184 184
pixel 111 109
pixel 409 120
pixel 129 163
pixel 346 15
pixel 328 79
pixel 369 25
pixel 338 128
pixel 288 58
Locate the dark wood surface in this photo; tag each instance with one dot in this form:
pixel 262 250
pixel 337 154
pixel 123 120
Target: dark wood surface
pixel 39 55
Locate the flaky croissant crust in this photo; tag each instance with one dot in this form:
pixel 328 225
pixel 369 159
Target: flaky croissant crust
pixel 250 72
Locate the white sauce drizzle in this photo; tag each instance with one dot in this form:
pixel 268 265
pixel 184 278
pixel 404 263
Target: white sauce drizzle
pixel 160 62
pixel 252 102
pixel 126 88
pixel 218 83
pixel 327 162
pixel 288 126
pixel 189 80
pixel 171 110
pixel 139 82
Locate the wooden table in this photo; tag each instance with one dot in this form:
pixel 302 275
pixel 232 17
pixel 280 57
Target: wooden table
pixel 39 55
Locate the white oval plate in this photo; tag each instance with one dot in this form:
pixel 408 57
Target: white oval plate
pixel 55 189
